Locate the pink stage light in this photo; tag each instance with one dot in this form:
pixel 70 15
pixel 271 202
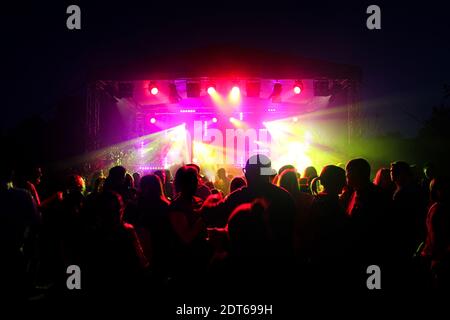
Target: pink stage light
pixel 153 89
pixel 211 90
pixel 214 120
pixel 153 120
pixel 298 87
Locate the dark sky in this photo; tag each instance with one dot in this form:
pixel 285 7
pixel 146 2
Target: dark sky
pixel 405 64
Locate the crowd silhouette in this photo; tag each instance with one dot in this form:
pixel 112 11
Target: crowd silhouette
pixel 132 233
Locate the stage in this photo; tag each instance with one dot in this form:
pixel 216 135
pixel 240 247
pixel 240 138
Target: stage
pixel 297 116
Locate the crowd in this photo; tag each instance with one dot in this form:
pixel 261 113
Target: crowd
pixel 265 229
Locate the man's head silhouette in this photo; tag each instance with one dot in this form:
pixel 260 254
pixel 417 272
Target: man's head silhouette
pixel 258 169
pixel 358 173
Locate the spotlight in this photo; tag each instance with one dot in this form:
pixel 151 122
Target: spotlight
pixel 276 92
pixel 211 90
pixel 153 88
pixel 152 120
pixel 235 94
pixel 232 119
pixel 298 87
pixel 295 119
pixel 214 120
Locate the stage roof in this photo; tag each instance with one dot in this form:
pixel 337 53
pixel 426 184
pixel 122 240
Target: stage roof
pixel 222 62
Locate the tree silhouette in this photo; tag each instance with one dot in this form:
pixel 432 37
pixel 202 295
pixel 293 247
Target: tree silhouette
pixel 433 138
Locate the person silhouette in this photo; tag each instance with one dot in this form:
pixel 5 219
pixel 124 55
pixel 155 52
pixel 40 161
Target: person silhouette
pixel 281 209
pixel 20 220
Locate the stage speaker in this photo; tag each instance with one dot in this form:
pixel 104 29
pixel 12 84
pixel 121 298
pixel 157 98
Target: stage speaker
pixel 321 88
pixel 193 89
pixel 174 97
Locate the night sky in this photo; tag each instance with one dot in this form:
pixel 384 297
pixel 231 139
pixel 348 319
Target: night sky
pixel 405 64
